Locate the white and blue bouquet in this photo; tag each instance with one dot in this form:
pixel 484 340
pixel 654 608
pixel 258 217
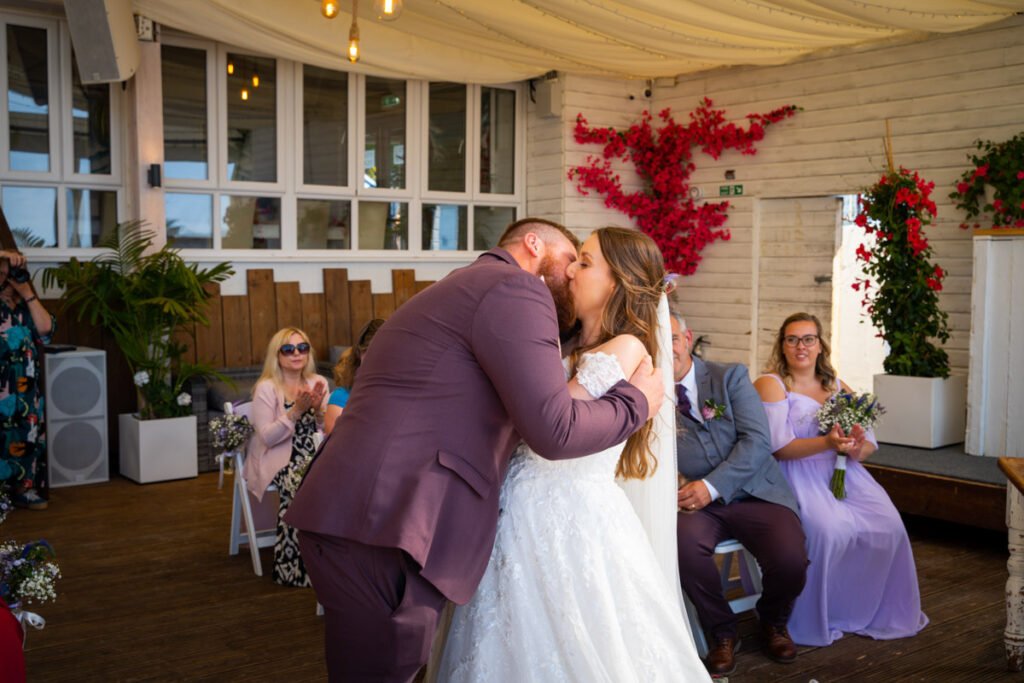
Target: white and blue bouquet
pixel 847 409
pixel 230 432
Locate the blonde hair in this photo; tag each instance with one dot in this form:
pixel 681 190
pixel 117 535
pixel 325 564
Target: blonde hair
pixel 823 369
pixel 272 369
pixel 639 271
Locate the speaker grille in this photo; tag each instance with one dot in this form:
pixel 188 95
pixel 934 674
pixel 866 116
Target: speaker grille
pixel 83 398
pixel 78 452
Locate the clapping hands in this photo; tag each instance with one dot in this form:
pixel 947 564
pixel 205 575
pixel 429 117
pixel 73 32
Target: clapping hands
pixel 309 398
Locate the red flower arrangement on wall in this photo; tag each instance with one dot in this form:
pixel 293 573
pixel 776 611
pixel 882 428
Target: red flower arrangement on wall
pixel 663 158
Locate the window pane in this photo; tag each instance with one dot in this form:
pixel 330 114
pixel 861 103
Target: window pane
pixel 383 225
pixel 489 223
pixel 185 134
pixel 32 214
pixel 28 99
pixel 252 119
pixel 324 126
pixel 447 138
pixel 324 224
pixel 444 227
pixel 384 157
pixel 250 222
pixel 189 220
pixel 92 215
pixel 90 122
pixel 497 140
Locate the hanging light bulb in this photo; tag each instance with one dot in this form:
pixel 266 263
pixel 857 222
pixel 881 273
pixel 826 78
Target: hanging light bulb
pixel 231 68
pixel 255 80
pixel 353 41
pixel 329 8
pixel 388 10
pixel 245 94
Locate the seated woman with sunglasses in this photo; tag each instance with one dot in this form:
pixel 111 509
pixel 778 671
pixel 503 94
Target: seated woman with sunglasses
pixel 862 577
pixel 289 400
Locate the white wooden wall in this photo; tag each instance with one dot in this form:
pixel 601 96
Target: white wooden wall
pixel 940 93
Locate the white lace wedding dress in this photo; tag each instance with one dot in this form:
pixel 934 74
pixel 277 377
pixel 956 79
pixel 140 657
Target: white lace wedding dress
pixel 573 591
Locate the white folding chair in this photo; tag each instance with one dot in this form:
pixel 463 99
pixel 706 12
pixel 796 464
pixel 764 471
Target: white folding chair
pixel 749 580
pixel 244 529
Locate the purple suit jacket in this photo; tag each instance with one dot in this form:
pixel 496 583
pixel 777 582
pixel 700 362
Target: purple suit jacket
pixel 454 380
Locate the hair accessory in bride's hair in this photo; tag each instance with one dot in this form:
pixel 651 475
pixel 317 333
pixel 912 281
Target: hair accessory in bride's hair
pixel 669 284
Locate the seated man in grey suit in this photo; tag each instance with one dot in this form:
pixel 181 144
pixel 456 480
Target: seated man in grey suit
pixel 731 487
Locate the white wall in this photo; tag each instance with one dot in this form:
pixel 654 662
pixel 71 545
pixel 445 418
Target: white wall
pixel 941 94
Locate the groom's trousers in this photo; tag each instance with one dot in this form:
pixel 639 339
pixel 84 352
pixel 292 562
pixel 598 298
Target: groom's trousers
pixel 380 614
pixel 771 532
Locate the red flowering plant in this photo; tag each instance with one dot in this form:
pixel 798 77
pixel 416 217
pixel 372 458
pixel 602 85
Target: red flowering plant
pixel 901 290
pixel 663 158
pixel 1000 167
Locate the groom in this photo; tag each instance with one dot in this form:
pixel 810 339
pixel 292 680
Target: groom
pixel 399 510
pixel 731 487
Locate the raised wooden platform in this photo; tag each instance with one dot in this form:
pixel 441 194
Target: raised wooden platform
pixel 945 483
pixel 149 593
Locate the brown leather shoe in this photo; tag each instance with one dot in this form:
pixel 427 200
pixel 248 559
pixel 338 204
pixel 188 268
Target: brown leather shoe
pixel 778 645
pixel 721 659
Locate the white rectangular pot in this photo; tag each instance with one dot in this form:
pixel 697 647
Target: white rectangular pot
pixel 158 450
pixel 924 412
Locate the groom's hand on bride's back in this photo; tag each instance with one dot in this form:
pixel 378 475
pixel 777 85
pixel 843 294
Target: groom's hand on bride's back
pixel 648 380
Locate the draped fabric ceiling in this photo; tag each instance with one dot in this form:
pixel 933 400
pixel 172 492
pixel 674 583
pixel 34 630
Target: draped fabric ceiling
pixel 496 41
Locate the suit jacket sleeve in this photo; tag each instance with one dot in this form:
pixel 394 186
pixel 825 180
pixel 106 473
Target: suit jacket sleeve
pixel 515 341
pixel 753 443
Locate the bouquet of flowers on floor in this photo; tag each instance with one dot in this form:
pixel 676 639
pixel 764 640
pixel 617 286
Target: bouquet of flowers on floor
pixel 28 574
pixel 847 409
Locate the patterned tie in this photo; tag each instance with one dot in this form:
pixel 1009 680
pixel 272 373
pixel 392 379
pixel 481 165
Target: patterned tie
pixel 684 400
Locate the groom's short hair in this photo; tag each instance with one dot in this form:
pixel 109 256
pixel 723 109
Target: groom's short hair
pixel 544 229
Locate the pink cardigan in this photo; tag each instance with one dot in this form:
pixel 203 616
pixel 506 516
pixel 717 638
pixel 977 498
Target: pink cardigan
pixel 270 447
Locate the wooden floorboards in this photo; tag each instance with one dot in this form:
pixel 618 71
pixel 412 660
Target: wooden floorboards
pixel 149 593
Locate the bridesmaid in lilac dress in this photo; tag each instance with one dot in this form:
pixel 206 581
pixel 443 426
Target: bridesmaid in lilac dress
pixel 862 577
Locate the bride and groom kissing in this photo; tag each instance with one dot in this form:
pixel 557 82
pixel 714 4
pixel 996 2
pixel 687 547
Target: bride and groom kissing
pixel 416 498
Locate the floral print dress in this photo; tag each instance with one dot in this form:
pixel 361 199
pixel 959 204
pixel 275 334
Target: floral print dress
pixel 289 569
pixel 22 409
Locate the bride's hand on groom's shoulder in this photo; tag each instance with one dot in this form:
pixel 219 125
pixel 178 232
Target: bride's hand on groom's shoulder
pixel 648 380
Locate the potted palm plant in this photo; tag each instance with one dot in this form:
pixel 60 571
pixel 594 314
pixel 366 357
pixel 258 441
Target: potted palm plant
pixel 144 297
pixel 926 406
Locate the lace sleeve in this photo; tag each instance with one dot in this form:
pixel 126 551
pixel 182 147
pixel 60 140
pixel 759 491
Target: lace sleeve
pixel 598 372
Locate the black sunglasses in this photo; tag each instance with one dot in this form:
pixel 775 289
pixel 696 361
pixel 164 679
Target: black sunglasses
pixel 290 349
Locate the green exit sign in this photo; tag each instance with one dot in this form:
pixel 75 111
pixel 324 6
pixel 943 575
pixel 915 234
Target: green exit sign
pixel 389 101
pixel 724 190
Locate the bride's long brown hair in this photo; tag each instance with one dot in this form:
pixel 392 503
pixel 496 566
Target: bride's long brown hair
pixel 639 272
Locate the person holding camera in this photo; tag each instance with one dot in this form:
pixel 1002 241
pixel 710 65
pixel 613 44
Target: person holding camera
pixel 25 325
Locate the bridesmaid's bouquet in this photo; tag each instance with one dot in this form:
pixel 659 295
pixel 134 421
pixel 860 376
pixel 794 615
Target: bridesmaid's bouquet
pixel 847 409
pixel 230 432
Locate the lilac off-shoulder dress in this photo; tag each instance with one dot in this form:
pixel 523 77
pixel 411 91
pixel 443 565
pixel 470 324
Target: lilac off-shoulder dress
pixel 862 577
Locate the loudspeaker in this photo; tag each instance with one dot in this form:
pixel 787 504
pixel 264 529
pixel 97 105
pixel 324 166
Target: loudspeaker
pixel 548 96
pixel 104 37
pixel 76 416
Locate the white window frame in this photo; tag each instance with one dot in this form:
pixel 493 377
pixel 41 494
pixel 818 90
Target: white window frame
pixel 61 176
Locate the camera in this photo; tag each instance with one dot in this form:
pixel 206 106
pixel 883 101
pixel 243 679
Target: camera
pixel 20 275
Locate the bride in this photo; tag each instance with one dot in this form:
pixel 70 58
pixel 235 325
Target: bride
pixel 574 590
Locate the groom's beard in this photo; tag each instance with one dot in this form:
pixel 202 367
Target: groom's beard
pixel 565 306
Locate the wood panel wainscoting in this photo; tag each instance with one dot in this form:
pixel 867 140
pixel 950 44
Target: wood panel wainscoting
pixel 240 325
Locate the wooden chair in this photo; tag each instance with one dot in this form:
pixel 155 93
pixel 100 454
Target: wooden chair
pixel 244 528
pixel 749 580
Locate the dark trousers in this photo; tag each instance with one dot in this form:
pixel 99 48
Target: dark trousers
pixel 380 614
pixel 771 532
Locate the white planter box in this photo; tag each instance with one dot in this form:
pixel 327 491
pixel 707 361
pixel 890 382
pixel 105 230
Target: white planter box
pixel 925 412
pixel 158 450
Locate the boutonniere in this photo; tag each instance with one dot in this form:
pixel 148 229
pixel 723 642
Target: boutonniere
pixel 712 410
